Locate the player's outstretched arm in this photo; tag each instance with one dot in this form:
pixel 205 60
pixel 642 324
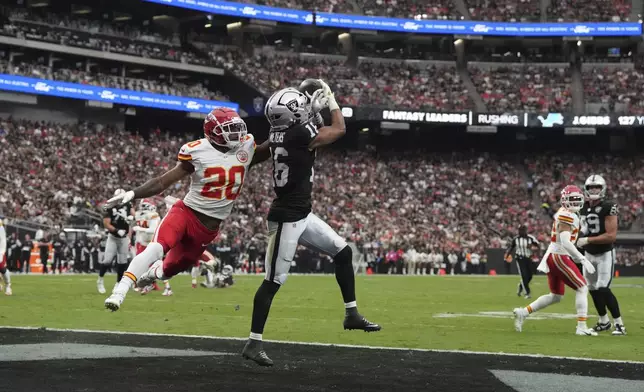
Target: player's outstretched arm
pixel 159 184
pixel 154 186
pixel 330 134
pixel 262 153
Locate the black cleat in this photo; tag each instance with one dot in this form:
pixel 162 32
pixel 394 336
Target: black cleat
pixel 602 327
pixel 356 321
pixel 254 351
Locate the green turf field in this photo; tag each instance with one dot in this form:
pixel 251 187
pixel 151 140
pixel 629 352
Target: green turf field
pixel 417 311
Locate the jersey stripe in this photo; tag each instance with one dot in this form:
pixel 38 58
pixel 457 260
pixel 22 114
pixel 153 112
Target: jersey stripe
pixel 566 219
pixel 185 157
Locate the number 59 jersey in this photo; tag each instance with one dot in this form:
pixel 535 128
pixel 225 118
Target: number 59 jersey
pixel 218 177
pixel 292 172
pixel 593 223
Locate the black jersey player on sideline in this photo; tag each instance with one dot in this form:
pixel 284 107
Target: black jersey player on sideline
pixel 292 141
pixel 117 222
pixel 599 225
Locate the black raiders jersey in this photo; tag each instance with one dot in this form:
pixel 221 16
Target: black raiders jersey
pixel 118 216
pixel 292 172
pixel 593 221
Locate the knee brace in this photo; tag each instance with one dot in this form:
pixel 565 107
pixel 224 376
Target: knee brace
pixel 345 256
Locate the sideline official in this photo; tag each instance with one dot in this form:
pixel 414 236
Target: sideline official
pixel 523 245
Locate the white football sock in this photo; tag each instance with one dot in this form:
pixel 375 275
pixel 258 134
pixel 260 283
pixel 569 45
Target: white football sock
pixel 256 336
pixel 167 284
pixel 543 302
pixel 604 319
pixel 581 303
pixel 7 278
pixel 138 266
pixel 194 273
pixel 350 305
pixel 618 321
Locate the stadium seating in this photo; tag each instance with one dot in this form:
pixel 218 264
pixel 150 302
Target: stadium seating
pixel 97 36
pixel 523 87
pixel 505 10
pixel 615 85
pixel 589 11
pixel 623 174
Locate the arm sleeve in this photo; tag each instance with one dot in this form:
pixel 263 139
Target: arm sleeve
pixel 564 236
pixel 154 222
pixel 3 241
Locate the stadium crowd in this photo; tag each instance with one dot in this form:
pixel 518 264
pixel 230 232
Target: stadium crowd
pixel 610 85
pixel 136 43
pixel 458 203
pixel 526 87
pixel 371 83
pixel 624 175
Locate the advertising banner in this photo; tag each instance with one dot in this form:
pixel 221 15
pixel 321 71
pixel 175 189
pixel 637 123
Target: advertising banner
pixel 114 95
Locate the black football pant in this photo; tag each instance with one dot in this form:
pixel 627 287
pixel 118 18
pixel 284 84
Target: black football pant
pixel 44 255
pixel 524 264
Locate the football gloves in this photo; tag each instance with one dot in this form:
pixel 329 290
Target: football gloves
pixel 119 199
pixel 319 101
pixel 582 242
pixel 333 105
pixel 588 266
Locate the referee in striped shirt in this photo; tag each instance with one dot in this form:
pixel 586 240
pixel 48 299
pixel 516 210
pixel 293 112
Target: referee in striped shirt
pixel 523 245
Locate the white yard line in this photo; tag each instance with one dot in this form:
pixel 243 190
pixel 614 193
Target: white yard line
pixel 326 344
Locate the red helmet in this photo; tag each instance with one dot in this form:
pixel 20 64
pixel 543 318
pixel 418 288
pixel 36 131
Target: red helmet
pixel 572 198
pixel 147 205
pixel 224 127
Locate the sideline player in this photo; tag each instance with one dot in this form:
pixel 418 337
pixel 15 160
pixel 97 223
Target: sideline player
pixel 559 264
pixel 4 271
pixel 147 220
pixel 599 224
pixel 217 165
pixel 293 139
pixel 116 221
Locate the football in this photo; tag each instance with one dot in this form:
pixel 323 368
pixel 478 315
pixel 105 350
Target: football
pixel 309 86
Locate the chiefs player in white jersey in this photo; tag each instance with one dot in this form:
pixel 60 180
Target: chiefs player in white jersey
pixel 4 271
pixel 147 219
pixel 217 165
pixel 559 263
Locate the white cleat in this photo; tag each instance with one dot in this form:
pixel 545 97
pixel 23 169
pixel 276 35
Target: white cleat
pixel 8 290
pixel 620 330
pixel 585 332
pixel 100 287
pixel 167 292
pixel 114 301
pixel 145 290
pixel 149 276
pixel 519 318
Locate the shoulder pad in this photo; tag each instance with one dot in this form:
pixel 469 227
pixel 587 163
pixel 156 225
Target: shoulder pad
pixel 186 151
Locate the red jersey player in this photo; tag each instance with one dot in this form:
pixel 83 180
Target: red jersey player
pixel 217 165
pixel 559 263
